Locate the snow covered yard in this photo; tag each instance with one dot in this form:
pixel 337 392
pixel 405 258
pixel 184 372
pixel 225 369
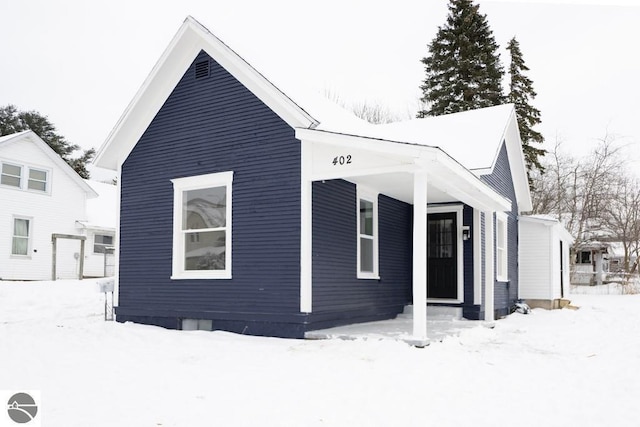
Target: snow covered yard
pixel 552 368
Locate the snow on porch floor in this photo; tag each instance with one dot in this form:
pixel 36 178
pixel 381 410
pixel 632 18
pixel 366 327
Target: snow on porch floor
pixel 399 329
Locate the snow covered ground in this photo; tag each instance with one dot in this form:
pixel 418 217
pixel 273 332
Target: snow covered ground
pixel 549 368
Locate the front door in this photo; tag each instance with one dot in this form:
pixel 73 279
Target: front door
pixel 442 271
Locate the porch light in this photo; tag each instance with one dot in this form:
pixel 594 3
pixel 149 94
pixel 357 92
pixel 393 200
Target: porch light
pixel 466 232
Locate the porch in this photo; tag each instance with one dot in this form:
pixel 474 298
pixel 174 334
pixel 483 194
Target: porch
pixel 440 325
pixel 433 183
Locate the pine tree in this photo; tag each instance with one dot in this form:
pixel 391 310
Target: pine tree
pixel 520 94
pixel 12 121
pixel 463 69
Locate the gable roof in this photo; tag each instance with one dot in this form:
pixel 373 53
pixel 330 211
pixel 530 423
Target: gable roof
pixel 31 136
pixel 191 38
pixel 487 127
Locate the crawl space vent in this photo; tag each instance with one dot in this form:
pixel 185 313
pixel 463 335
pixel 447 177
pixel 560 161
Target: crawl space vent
pixel 202 69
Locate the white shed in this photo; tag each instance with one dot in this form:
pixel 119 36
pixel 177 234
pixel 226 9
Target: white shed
pixel 543 261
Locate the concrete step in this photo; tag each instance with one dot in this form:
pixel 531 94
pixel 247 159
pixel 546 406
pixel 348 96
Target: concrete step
pixel 435 312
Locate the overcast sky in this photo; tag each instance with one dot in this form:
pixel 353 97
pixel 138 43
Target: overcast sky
pixel 81 62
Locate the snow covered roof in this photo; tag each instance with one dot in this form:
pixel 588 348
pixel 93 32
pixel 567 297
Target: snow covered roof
pixel 102 211
pixel 472 137
pixel 32 137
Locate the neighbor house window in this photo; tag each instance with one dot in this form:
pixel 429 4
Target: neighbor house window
pixel 584 257
pixel 502 270
pixel 101 242
pixel 24 177
pixel 202 227
pixel 37 180
pixel 21 236
pixel 11 175
pixel 367 223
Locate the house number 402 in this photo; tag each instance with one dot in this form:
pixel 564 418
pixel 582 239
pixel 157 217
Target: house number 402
pixel 342 160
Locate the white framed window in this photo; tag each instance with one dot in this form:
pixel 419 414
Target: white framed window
pixel 11 175
pixel 101 242
pixel 24 177
pixel 21 236
pixel 502 265
pixel 367 224
pixel 202 226
pixel 37 180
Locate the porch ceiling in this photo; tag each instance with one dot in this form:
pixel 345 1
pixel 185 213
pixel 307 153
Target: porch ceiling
pixel 399 185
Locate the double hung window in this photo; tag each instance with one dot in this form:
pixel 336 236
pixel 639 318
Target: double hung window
pixel 367 223
pixel 202 227
pixel 502 270
pixel 24 177
pixel 21 239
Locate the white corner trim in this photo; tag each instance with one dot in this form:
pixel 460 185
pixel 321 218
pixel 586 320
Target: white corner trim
pixel 306 231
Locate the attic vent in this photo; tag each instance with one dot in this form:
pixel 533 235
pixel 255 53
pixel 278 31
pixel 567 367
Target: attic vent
pixel 202 69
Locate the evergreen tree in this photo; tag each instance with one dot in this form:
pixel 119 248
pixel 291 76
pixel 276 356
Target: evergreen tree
pixel 12 121
pixel 463 69
pixel 521 93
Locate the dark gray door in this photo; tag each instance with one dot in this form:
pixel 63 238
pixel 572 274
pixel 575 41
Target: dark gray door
pixel 442 269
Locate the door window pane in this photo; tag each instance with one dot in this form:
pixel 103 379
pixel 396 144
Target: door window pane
pixel 441 235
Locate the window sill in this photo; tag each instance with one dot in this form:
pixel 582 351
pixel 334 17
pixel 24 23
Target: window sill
pixel 190 276
pixel 368 277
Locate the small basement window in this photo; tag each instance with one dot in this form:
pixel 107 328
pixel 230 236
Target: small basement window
pixel 197 324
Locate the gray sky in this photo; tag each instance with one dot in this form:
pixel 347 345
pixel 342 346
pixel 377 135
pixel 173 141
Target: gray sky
pixel 81 62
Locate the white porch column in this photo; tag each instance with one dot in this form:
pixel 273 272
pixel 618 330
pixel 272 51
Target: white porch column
pixel 420 256
pixel 489 281
pixel 305 230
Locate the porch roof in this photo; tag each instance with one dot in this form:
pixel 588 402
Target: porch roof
pixel 447 180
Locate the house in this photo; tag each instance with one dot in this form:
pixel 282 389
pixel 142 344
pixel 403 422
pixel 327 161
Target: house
pixel 591 263
pixel 260 210
pixel 42 197
pixel 544 265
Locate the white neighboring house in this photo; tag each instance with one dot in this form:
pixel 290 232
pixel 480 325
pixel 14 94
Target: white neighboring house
pixel 40 195
pixel 544 263
pixel 99 228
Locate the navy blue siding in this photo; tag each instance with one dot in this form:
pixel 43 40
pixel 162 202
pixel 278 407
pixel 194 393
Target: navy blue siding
pixel 213 125
pixel 338 296
pixel 506 293
pixel 469 310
